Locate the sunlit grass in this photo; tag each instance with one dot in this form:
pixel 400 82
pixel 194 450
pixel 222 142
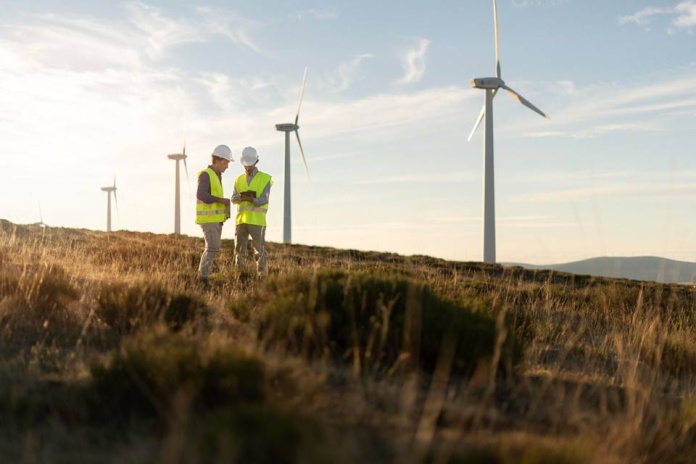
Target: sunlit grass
pixel 111 351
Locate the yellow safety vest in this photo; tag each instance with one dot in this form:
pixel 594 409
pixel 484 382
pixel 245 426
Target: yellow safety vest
pixel 247 213
pixel 213 212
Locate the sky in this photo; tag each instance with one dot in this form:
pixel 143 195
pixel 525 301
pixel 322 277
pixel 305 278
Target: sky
pixel 93 90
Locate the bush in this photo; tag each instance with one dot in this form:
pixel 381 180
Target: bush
pixel 34 301
pixel 375 322
pixel 256 433
pixel 128 308
pixel 154 367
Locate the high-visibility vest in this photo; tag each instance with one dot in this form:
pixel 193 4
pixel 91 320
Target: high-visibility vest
pixel 247 212
pixel 213 212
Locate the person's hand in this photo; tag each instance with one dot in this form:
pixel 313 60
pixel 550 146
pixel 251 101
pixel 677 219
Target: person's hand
pixel 247 197
pixel 225 201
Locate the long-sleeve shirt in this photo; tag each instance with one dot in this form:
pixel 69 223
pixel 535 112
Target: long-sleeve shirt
pixel 258 201
pixel 203 192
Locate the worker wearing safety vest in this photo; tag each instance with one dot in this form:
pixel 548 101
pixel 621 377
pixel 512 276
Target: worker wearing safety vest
pixel 251 193
pixel 212 208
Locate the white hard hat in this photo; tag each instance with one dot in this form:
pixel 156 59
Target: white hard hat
pixel 249 156
pixel 224 152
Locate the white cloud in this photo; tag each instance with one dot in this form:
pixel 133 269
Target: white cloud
pixel 377 112
pixel 161 32
pixel 643 16
pixel 684 15
pixel 346 74
pixel 533 3
pixel 414 63
pixel 51 42
pixel 223 22
pixel 316 14
pixel 606 108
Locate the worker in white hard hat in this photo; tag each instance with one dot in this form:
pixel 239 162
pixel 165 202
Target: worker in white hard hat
pixel 252 191
pixel 212 208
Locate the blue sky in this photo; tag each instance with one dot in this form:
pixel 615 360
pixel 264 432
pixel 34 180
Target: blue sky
pixel 96 89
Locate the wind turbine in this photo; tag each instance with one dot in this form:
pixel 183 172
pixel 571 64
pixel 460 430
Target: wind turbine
pixel 108 203
pixel 177 187
pixel 491 86
pixel 40 223
pixel 287 128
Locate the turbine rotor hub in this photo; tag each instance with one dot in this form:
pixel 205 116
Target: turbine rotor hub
pixel 487 83
pixel 289 127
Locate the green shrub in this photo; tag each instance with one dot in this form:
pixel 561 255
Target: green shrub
pixel 127 308
pixel 154 367
pixel 374 322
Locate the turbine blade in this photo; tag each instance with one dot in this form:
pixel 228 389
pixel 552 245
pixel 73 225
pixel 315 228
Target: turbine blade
pixel 480 118
pixel 304 161
pixel 186 167
pixel 478 122
pixel 299 104
pixel 497 49
pixel 523 100
pixel 188 180
pixel 116 201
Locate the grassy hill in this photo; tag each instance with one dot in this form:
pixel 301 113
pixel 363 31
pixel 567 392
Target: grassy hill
pixel 110 351
pixel 648 268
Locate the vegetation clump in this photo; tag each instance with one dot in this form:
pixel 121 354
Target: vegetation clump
pixel 154 369
pixel 376 323
pixel 127 308
pixel 34 306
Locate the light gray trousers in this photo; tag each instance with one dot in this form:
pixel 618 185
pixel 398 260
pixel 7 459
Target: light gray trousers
pixel 258 241
pixel 212 232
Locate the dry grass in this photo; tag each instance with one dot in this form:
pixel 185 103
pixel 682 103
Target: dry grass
pixel 111 352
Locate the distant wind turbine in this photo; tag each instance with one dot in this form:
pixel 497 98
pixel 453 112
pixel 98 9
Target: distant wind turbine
pixel 491 86
pixel 108 203
pixel 177 187
pixel 287 128
pixel 40 223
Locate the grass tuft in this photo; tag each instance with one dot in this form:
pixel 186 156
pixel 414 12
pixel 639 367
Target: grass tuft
pixel 127 308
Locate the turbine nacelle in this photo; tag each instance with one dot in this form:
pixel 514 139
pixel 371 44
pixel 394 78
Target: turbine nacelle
pixel 487 83
pixel 288 127
pixel 177 157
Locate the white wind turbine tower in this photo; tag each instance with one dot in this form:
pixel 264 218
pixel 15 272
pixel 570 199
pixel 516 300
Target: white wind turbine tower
pixel 491 86
pixel 177 187
pixel 287 128
pixel 108 191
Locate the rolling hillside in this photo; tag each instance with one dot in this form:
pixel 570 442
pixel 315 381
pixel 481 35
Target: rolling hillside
pixel 111 351
pixel 647 268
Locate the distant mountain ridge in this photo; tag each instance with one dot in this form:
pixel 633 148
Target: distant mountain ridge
pixel 648 268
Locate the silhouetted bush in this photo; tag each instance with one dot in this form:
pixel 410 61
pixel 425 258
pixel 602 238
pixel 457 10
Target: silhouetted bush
pixel 375 322
pixel 127 308
pixel 154 367
pixel 256 433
